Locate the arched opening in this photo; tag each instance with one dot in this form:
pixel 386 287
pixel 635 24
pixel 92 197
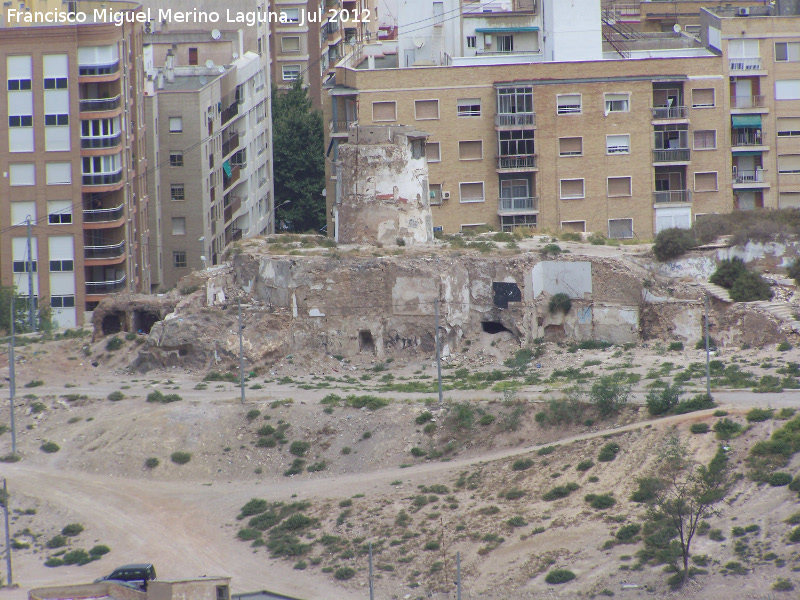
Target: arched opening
pixel 494 327
pixel 144 320
pixel 112 323
pixel 366 343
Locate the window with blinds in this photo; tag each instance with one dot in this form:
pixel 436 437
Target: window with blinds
pixel 384 111
pixel 789 200
pixel 571 188
pixel 432 152
pixel 470 150
pixel 618 103
pixel 705 139
pixel 789 163
pixel 787 89
pixel 576 226
pixel 567 104
pixel 620 229
pixel 619 186
pixel 426 109
pixel 618 144
pixel 703 98
pixel 468 107
pixel 570 146
pixel 471 192
pixel 705 182
pixel 788 126
pixel 787 51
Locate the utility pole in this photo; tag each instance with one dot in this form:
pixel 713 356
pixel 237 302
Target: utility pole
pixel 438 352
pixel 708 359
pixel 12 382
pixel 241 350
pixel 29 266
pixel 371 583
pixel 8 536
pixel 458 575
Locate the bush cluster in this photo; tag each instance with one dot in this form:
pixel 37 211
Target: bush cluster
pixel 742 285
pixel 672 243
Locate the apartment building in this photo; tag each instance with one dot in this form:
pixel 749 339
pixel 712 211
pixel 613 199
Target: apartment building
pixel 211 146
pixel 652 16
pixel 73 159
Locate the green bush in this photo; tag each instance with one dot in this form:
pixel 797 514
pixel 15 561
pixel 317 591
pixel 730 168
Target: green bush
pixel 78 557
pixel 299 448
pixel 72 529
pixel 557 576
pixel 157 397
pixel 601 501
pixel 254 506
pixel 99 550
pixel 663 400
pixel 49 447
pixel 424 418
pixel 780 479
pixel 297 466
pixel 672 243
pixel 795 484
pixel 522 464
pixel 727 429
pixel 180 458
pixel 113 344
pixel 151 463
pixel 728 271
pixel 675 346
pixel 57 541
pixel 487 419
pixel 626 533
pixel 560 303
pixel 609 395
pixel 750 287
pixel 418 452
pixel 463 416
pixel 34 383
pixel 794 535
pixel 585 465
pixel 784 346
pixel 53 561
pixel 252 414
pixel 783 585
pixel 516 521
pixel 546 450
pixel 699 402
pixel 560 491
pixel 699 428
pixel 116 396
pixel 551 249
pixel 344 573
pixel 757 415
pixel 608 452
pixel 648 488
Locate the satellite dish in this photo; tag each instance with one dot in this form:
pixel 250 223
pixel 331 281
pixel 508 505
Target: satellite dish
pixel 215 34
pixel 419 43
pixel 221 69
pixel 209 64
pixel 676 28
pixel 235 55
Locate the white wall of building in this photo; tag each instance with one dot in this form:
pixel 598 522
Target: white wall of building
pixel 572 30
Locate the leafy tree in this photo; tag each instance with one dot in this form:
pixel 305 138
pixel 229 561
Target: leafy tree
pixel 609 395
pixel 298 160
pixel 728 271
pixel 663 400
pixel 21 322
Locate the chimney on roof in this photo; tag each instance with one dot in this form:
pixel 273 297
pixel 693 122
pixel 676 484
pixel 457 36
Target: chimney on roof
pixel 160 80
pixel 169 66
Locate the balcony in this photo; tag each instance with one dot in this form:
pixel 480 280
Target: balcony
pixel 517 205
pixel 102 178
pixel 746 137
pixel 231 145
pixel 109 141
pixel 664 113
pixel 103 215
pixel 228 113
pixel 744 64
pixel 665 155
pixel 98 288
pixel 100 104
pixel 515 119
pixel 104 252
pixel 521 162
pixel 233 235
pixel 229 175
pixel 98 70
pixel 747 178
pixel 747 102
pixel 341 126
pixel 231 209
pixel 672 196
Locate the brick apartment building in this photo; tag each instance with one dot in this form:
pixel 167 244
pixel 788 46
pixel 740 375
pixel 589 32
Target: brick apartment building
pixel 73 160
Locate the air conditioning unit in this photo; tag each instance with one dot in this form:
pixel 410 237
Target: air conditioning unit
pixel 445 195
pixel 743 12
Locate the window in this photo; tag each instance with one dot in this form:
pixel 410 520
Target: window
pixel 20 121
pixel 59 120
pixel 618 144
pixel 290 43
pixel 789 163
pixel 223 592
pixel 58 173
pixel 62 266
pixel 62 301
pixel 705 182
pixel 435 193
pixel 571 189
pixel 787 89
pixel 468 107
pixel 618 103
pixel 788 127
pixel 175 159
pixel 417 148
pixel 426 109
pixel 472 41
pixel 55 83
pixel 22 174
pixel 705 140
pixel 175 124
pixel 192 56
pixel 619 186
pixel 432 152
pixel 471 192
pixel 179 259
pixel 568 104
pixel 290 15
pixel 471 150
pixel 570 146
pixel 575 226
pixel 505 43
pixel 514 100
pixel 787 51
pixel 59 212
pixel 20 211
pixel 384 111
pixel 290 72
pixel 178 225
pixel 517 143
pixel 620 229
pixel 19 85
pixel 789 200
pixel 703 98
pixel 176 191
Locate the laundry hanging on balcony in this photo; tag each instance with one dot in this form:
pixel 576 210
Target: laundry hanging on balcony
pixel 226 166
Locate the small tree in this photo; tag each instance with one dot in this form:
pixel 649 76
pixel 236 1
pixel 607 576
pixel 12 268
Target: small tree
pixel 663 400
pixel 609 395
pixel 672 243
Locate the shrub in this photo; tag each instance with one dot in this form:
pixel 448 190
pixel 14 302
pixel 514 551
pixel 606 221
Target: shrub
pixel 783 585
pixel 463 416
pixel 672 243
pixel 660 401
pixel 675 346
pixel 560 303
pixel 49 447
pixel 608 452
pixel 151 463
pixel 750 287
pixel 295 468
pixel 780 479
pixel 784 346
pixel 180 458
pixel 557 576
pixel 72 529
pixel 254 506
pixel 487 419
pixel 57 541
pixel 585 465
pixel 728 271
pixel 551 249
pixel 113 344
pixel 522 464
pixel 794 535
pixel 648 488
pixel 252 414
pixel 609 395
pixel 699 402
pixel 116 396
pixel 546 450
pixel 600 502
pixel 418 452
pixel 344 573
pixel 699 428
pixel 727 429
pixel 757 415
pixel 34 383
pixel 77 557
pixel 157 397
pixel 560 491
pixel 628 532
pixel 514 494
pixel 99 550
pixel 53 561
pixel 424 418
pixel 299 448
pixel 795 484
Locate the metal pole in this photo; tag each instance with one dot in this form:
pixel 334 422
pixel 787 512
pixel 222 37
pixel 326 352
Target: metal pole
pixel 371 583
pixel 8 535
pixel 438 351
pixel 241 350
pixel 29 266
pixel 708 358
pixel 458 575
pixel 12 383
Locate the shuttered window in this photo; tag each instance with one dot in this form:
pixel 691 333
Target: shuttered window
pixel 384 111
pixel 789 163
pixel 789 200
pixel 432 152
pixel 787 89
pixel 702 97
pixel 787 51
pixel 619 186
pixel 570 146
pixel 617 103
pixel 426 109
pixel 705 182
pixel 705 140
pixel 577 226
pixel 571 188
pixel 471 192
pixel 618 144
pixel 788 126
pixel 472 150
pixel 568 104
pixel 620 229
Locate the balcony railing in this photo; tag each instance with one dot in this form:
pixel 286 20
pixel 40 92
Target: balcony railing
pixel 668 196
pixel 101 252
pixel 669 112
pixel 341 126
pixel 231 209
pixel 229 113
pixel 756 176
pixel 231 145
pixel 504 119
pixel 518 204
pixel 105 287
pixel 234 177
pixel 748 102
pixel 102 178
pixel 99 104
pixel 93 70
pixel 746 137
pixel 745 64
pixel 523 161
pixel 101 142
pixel 103 215
pixel 671 155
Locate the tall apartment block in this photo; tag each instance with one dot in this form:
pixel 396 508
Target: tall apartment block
pixel 211 146
pixel 73 158
pixel 651 16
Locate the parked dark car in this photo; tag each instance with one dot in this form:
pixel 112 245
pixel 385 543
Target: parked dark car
pixel 143 572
